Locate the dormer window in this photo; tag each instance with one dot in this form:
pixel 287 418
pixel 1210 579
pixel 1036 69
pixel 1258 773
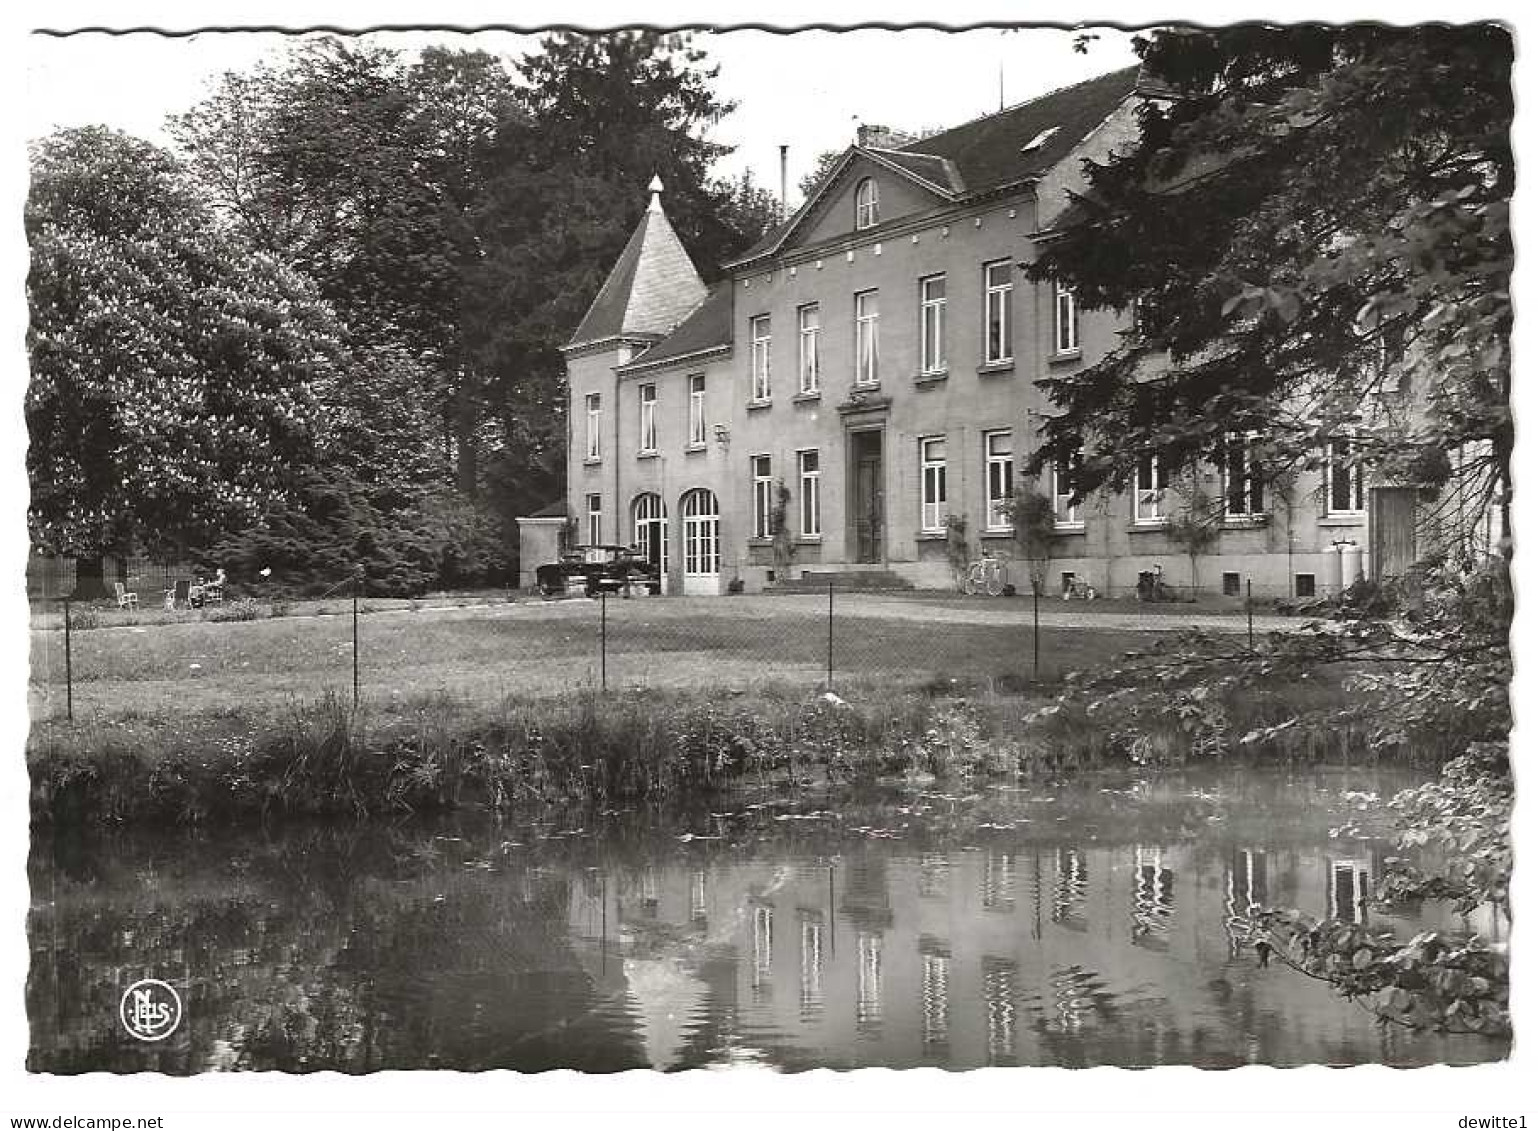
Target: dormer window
pixel 866 208
pixel 1039 140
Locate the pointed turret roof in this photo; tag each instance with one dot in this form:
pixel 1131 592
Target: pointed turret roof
pixel 652 287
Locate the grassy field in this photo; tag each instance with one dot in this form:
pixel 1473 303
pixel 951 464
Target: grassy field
pixel 535 649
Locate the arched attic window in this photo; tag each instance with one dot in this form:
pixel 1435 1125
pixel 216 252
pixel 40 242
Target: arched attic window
pixel 866 208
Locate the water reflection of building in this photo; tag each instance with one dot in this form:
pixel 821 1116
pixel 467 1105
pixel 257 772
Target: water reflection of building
pixel 1153 897
pixel 934 875
pixel 1245 893
pixel 699 915
pixel 998 883
pixel 812 928
pixel 1000 987
pixel 868 982
pixel 934 998
pixel 763 950
pixel 1348 886
pixel 1069 887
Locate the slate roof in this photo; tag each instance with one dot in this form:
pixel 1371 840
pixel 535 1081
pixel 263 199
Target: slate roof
pixel 651 288
pixel 709 327
pixel 985 153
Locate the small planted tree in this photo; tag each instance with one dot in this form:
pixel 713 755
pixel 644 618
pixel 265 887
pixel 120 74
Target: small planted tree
pixel 782 539
pixel 1198 525
pixel 1032 515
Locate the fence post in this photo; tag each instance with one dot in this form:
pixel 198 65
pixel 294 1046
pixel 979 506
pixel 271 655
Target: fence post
pixel 1035 630
pixel 357 582
pixel 1249 610
pixel 830 636
pixel 69 669
pixel 603 639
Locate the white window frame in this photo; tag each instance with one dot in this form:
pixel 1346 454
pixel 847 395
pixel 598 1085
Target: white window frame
pixel 697 410
pixel 1150 491
pixel 760 332
pixel 867 204
pixel 649 508
pixel 811 492
pixel 594 519
pixel 1066 514
pixel 999 479
pixel 594 426
pixel 998 311
pixel 1065 318
pixel 932 325
pixel 1356 487
pixel 867 339
pixel 763 496
pixel 1243 447
pixel 807 337
pixel 932 502
pixel 648 400
pixel 701 512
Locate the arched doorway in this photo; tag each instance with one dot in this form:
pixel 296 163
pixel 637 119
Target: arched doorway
pixel 702 543
pixel 651 532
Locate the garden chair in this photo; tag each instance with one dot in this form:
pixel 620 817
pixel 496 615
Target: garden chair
pixel 180 594
pixel 126 598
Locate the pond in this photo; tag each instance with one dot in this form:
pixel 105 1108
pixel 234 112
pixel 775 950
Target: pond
pixel 1071 924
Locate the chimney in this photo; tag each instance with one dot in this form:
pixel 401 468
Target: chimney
pixel 882 137
pixel 784 180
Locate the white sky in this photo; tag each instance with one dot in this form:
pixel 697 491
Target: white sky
pixel 806 90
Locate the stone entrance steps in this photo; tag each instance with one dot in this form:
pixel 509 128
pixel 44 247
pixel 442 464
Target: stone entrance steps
pixel 842 580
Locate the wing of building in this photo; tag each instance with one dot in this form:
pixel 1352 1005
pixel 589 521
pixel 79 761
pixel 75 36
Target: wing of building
pixel 861 388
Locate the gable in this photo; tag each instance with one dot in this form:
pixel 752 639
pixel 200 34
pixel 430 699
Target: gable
pixel 834 214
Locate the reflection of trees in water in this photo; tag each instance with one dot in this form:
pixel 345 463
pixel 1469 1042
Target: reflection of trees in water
pixel 934 998
pixel 1153 898
pixel 1070 887
pixel 1001 977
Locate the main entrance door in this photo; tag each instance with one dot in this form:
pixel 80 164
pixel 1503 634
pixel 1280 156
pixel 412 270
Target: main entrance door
pixel 867 494
pixel 651 533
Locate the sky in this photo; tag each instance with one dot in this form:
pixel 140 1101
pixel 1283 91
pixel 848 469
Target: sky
pixel 808 90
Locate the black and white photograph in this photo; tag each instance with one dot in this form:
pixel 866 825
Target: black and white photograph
pixel 685 545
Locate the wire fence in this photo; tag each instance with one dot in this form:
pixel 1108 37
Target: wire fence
pixel 371 649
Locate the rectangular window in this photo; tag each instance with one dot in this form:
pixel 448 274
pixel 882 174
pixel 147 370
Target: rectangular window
pixel 763 498
pixel 809 326
pixel 648 418
pixel 932 509
pixel 1244 491
pixel 759 331
pixel 867 317
pixel 1344 480
pixel 697 410
pixel 1303 585
pixel 1230 585
pixel 998 295
pixel 1065 511
pixel 594 520
pixel 932 324
pixel 999 456
pixel 594 426
pixel 811 494
pixel 1065 319
pixel 1149 489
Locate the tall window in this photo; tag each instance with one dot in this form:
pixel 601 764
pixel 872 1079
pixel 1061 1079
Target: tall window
pixel 763 498
pixel 594 520
pixel 932 509
pixel 759 330
pixel 1065 318
pixel 702 533
pixel 1244 491
pixel 866 208
pixel 999 456
pixel 648 418
pixel 594 426
pixel 809 326
pixel 932 324
pixel 811 494
pixel 998 293
pixel 1065 511
pixel 697 410
pixel 1344 480
pixel 867 322
pixel 1149 488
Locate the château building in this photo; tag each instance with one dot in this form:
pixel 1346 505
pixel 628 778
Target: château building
pixel 867 376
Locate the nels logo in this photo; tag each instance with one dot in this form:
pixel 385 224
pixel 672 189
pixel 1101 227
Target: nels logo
pixel 150 1010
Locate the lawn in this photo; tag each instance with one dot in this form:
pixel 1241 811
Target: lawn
pixel 484 652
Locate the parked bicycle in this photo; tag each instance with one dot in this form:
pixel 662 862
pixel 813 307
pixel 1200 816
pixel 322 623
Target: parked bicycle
pixel 988 574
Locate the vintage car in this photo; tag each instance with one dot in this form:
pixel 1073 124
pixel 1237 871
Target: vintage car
pixel 598 569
